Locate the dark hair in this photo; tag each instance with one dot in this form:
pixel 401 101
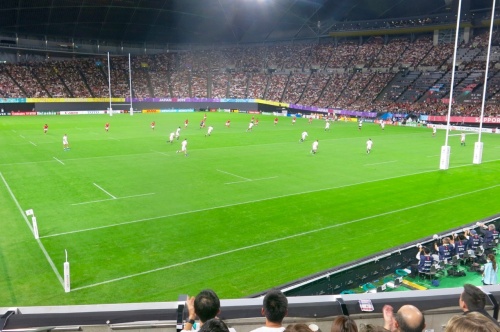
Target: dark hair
pixel 344 324
pixel 473 297
pixel 405 326
pixel 275 306
pixel 426 250
pixel 299 327
pixel 493 261
pixel 214 325
pixel 206 305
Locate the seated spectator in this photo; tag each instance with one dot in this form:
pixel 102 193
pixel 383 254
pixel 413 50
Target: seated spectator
pixel 275 308
pixel 344 324
pixel 473 299
pixel 407 319
pixel 299 327
pixel 490 271
pixel 206 305
pixel 371 328
pixel 473 322
pixel 214 325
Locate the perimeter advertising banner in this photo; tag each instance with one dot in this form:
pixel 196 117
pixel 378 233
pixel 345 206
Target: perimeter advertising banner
pixel 461 119
pixel 74 100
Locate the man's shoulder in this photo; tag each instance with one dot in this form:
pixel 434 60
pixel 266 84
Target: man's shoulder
pixel 269 329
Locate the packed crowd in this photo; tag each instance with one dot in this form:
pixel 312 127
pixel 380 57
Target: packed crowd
pixel 346 74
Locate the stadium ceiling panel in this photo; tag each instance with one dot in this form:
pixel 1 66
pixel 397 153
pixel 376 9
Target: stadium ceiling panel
pixel 202 21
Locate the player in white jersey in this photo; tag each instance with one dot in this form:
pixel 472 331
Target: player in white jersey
pixel 65 142
pixel 327 125
pixel 209 131
pixel 303 137
pixel 369 145
pixel 177 133
pixel 462 139
pixel 171 137
pixel 184 147
pixel 315 147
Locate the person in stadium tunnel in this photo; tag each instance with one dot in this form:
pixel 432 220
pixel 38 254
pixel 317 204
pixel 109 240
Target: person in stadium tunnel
pixel 408 319
pixel 473 299
pixel 274 308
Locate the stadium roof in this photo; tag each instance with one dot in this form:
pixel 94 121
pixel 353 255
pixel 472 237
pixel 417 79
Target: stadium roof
pixel 202 21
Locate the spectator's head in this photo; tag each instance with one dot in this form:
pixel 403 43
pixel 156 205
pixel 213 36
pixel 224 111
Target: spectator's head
pixel 344 324
pixel 275 307
pixel 409 319
pixel 472 322
pixel 426 250
pixel 299 327
pixel 206 305
pixel 371 328
pixel 472 298
pixel 446 240
pixel 491 227
pixel 214 325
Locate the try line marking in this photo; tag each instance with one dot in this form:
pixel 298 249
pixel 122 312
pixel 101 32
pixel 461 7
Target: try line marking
pixel 111 199
pixel 46 254
pixel 280 239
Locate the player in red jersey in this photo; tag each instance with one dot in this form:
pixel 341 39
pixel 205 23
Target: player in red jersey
pixel 45 128
pixel 153 125
pixel 106 126
pixel 256 122
pixel 294 119
pixel 228 123
pixel 275 121
pixel 186 123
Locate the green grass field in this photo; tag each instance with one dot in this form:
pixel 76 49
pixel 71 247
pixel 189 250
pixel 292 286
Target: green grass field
pixel 243 212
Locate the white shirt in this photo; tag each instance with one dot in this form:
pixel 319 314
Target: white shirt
pixel 184 144
pixel 171 136
pixel 210 129
pixel 327 125
pixel 269 329
pixel 369 144
pixel 315 145
pixel 65 139
pixel 304 135
pixel 177 132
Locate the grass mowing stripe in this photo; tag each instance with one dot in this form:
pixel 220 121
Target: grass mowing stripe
pixel 285 238
pixel 51 263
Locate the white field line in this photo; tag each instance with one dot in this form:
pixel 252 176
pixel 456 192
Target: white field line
pixel 384 162
pixel 271 177
pixel 59 161
pixel 281 239
pixel 241 177
pixel 33 143
pixel 110 199
pixel 22 136
pixel 95 184
pixel 237 204
pixel 49 260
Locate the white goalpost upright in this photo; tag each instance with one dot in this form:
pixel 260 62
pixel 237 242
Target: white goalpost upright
pixel 444 160
pixel 110 109
pixel 478 146
pixel 67 280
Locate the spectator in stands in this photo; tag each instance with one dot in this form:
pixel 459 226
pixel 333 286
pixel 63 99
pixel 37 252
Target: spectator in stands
pixel 473 322
pixel 275 308
pixel 474 240
pixel 344 324
pixel 460 245
pixel 206 305
pixel 371 328
pixel 425 260
pixel 214 325
pixel 473 299
pixel 299 327
pixel 490 271
pixel 407 319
